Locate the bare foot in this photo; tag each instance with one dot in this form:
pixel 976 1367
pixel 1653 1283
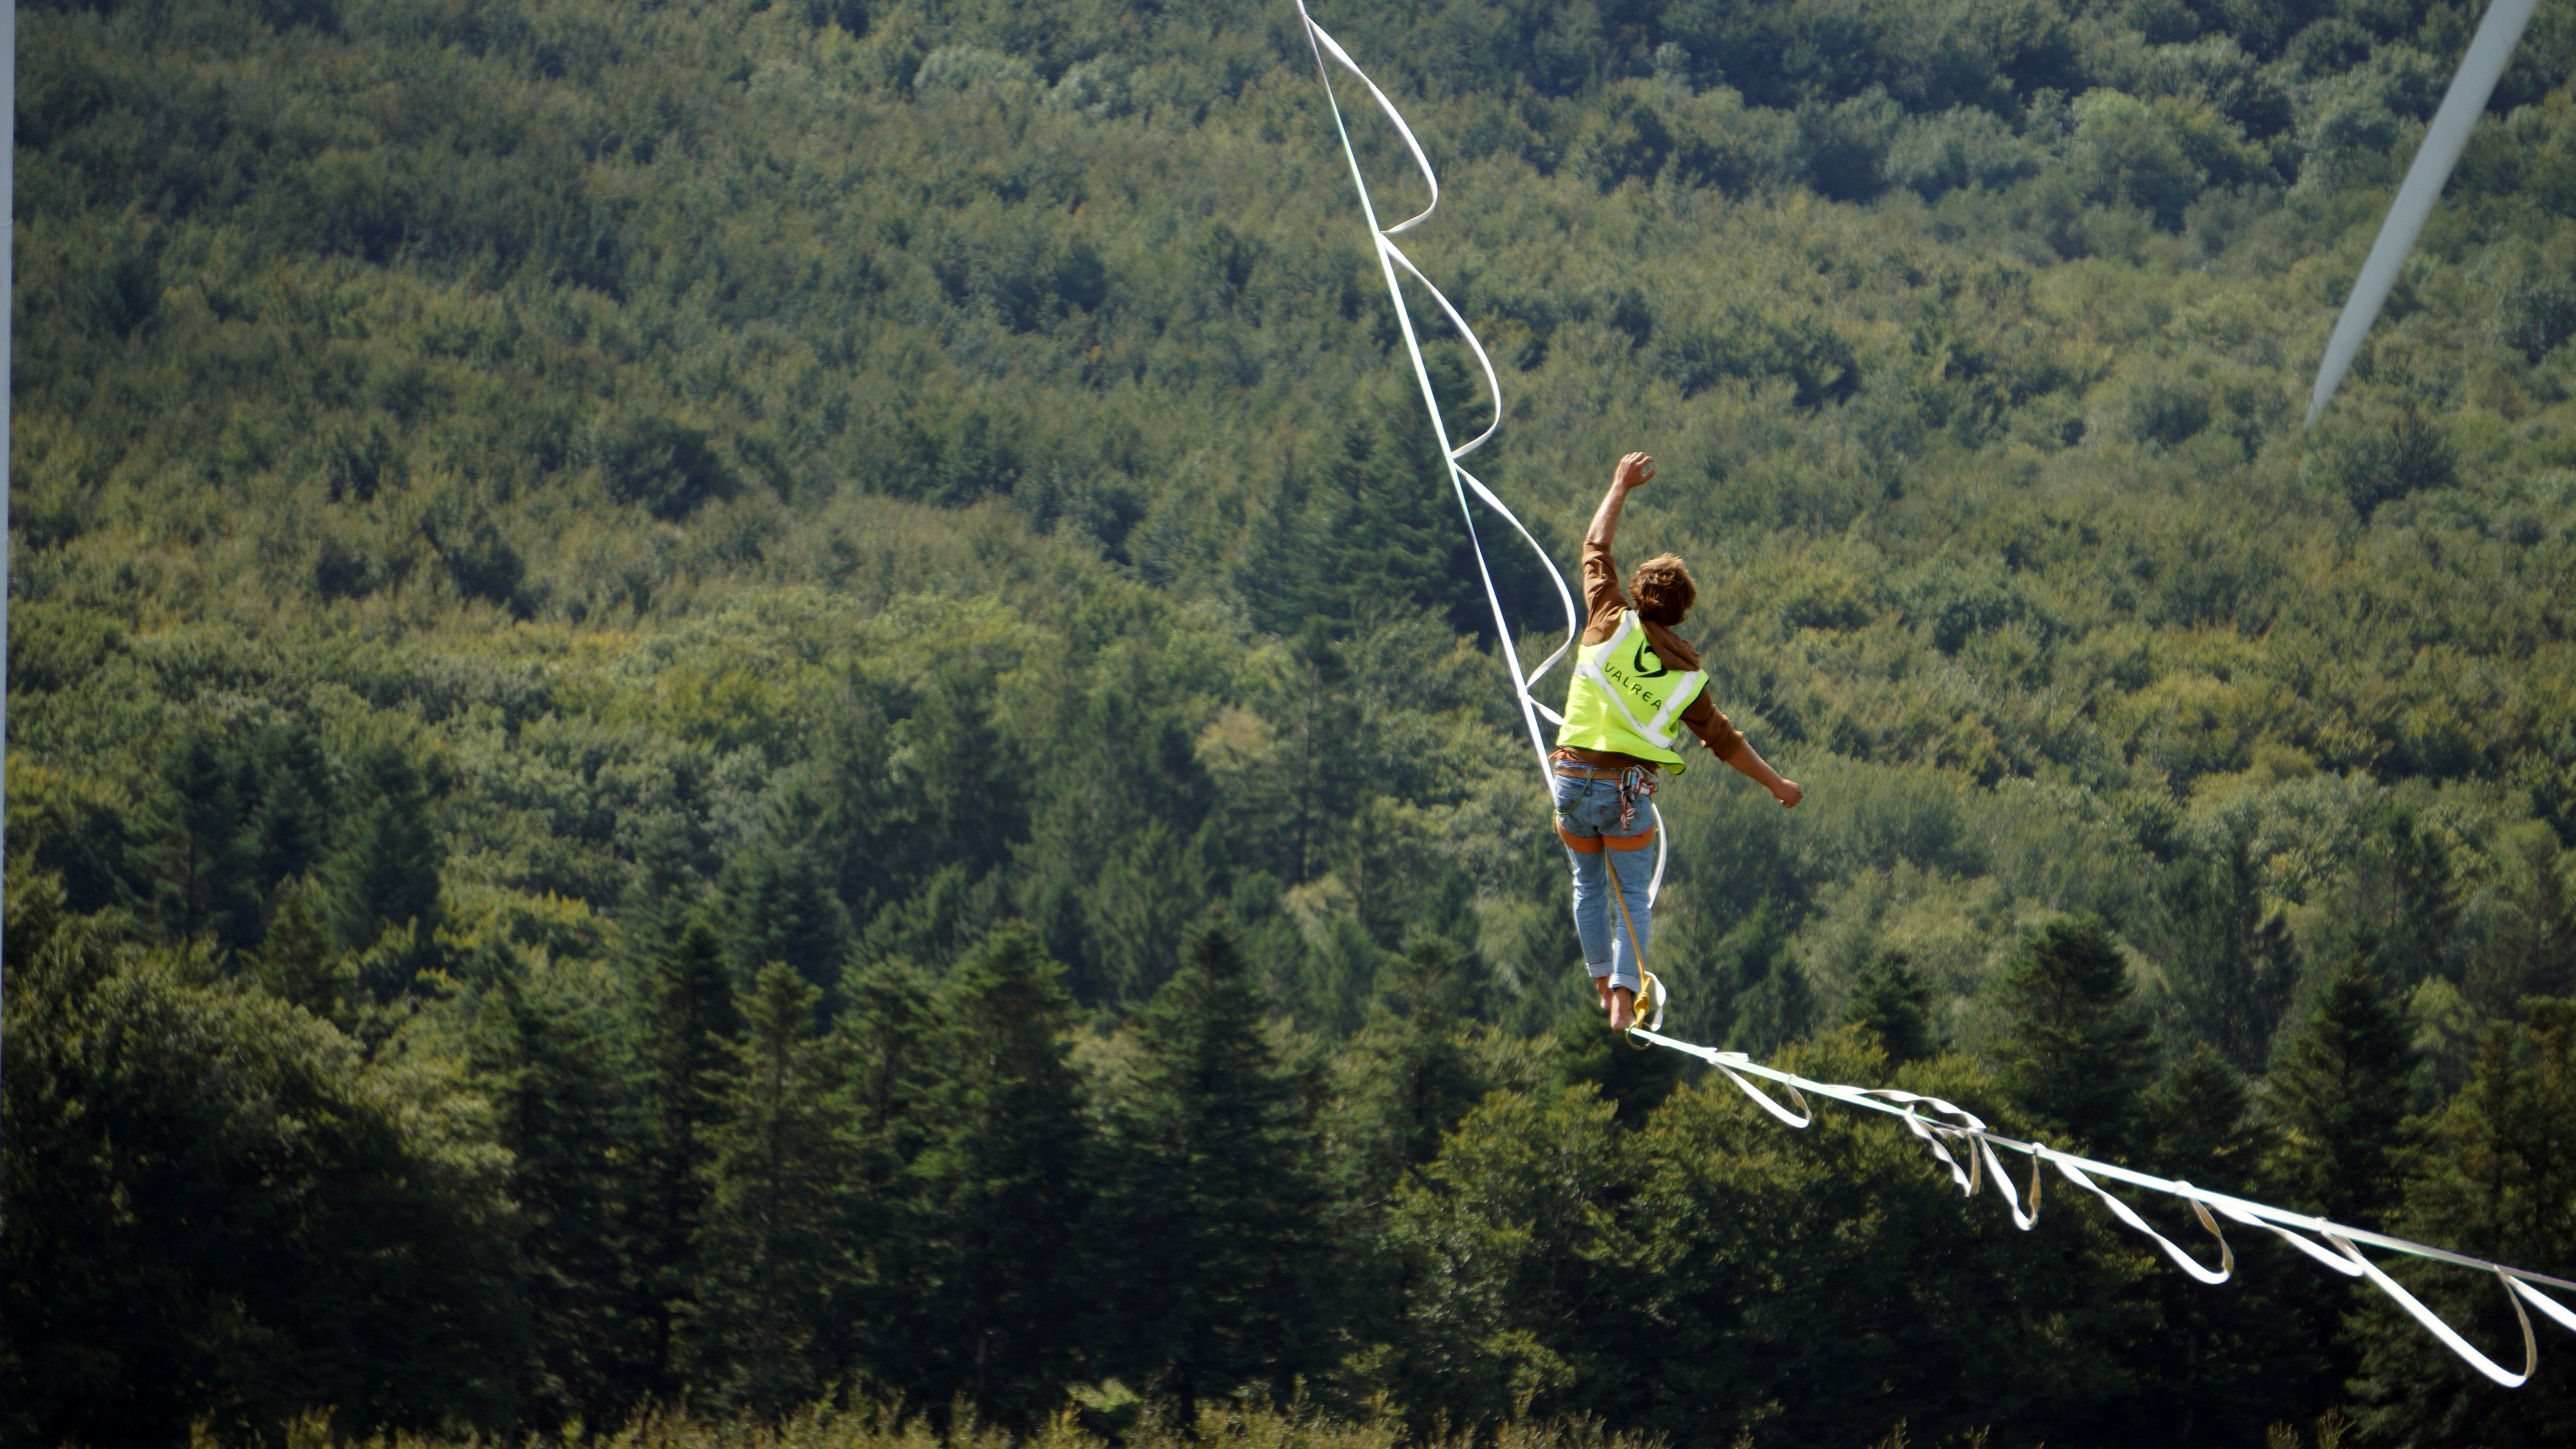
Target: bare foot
pixel 1601 988
pixel 1623 1008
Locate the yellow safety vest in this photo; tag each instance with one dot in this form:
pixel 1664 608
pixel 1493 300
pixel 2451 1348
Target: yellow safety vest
pixel 1625 700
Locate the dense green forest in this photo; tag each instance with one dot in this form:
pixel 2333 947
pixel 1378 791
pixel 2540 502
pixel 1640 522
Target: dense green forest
pixel 717 704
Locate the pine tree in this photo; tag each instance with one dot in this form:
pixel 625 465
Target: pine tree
pixel 886 1041
pixel 2496 1177
pixel 771 1252
pixel 2074 1055
pixel 1891 1002
pixel 562 1112
pixel 779 906
pixel 288 832
pixel 1210 1221
pixel 1406 1081
pixel 191 844
pixel 1412 1075
pixel 1587 1053
pixel 2227 1366
pixel 2527 946
pixel 2401 908
pixel 968 776
pixel 296 961
pixel 999 1187
pixel 685 1057
pixel 386 876
pixel 2233 960
pixel 1762 982
pixel 2339 1092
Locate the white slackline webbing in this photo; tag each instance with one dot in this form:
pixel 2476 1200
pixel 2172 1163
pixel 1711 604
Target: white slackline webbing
pixel 1942 1125
pixel 1390 257
pixel 2490 51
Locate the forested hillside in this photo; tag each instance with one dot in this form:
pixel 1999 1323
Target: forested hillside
pixel 714 701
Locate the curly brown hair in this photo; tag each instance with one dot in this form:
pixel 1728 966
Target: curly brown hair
pixel 1663 589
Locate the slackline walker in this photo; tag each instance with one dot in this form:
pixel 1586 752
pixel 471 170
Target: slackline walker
pixel 1624 709
pixel 1941 1125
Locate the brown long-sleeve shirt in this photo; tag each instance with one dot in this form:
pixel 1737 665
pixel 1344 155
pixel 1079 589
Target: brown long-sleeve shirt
pixel 1603 601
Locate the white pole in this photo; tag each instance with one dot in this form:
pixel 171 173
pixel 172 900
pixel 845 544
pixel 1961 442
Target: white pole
pixel 8 276
pixel 2489 52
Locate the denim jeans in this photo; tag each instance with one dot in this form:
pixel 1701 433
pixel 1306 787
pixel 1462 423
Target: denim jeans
pixel 1587 814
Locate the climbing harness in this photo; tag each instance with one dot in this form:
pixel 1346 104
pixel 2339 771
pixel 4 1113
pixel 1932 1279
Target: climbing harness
pixel 1943 1126
pixel 1634 785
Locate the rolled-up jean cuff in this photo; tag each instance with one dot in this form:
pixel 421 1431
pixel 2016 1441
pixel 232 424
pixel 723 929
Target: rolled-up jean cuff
pixel 1616 979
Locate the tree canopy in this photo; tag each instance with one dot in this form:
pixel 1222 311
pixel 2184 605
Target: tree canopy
pixel 684 674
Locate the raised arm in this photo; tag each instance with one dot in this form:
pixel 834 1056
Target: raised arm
pixel 1749 763
pixel 1635 471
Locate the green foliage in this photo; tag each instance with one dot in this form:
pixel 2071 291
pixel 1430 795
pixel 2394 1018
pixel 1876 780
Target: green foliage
pixel 771 1247
pixel 2252 1359
pixel 1509 1238
pixel 2492 1174
pixel 558 1088
pixel 1001 1190
pixel 1888 1003
pixel 2234 963
pixel 212 1188
pixel 1211 1203
pixel 2077 1055
pixel 688 1038
pixel 526 517
pixel 2340 1092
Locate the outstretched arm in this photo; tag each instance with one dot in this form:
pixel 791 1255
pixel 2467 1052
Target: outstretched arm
pixel 1635 471
pixel 1749 763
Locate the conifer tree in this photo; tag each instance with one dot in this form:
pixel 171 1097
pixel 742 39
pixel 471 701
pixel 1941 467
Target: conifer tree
pixel 296 961
pixel 779 906
pixel 2496 1176
pixel 772 1257
pixel 887 1046
pixel 967 774
pixel 287 832
pixel 2527 941
pixel 2233 961
pixel 1891 1002
pixel 1587 1054
pixel 2401 909
pixel 2074 1056
pixel 560 1103
pixel 387 874
pixel 2339 1092
pixel 1763 983
pixel 1210 1218
pixel 191 841
pixel 1406 1081
pixel 999 1187
pixel 684 1060
pixel 2338 1095
pixel 1412 1075
pixel 2228 1366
